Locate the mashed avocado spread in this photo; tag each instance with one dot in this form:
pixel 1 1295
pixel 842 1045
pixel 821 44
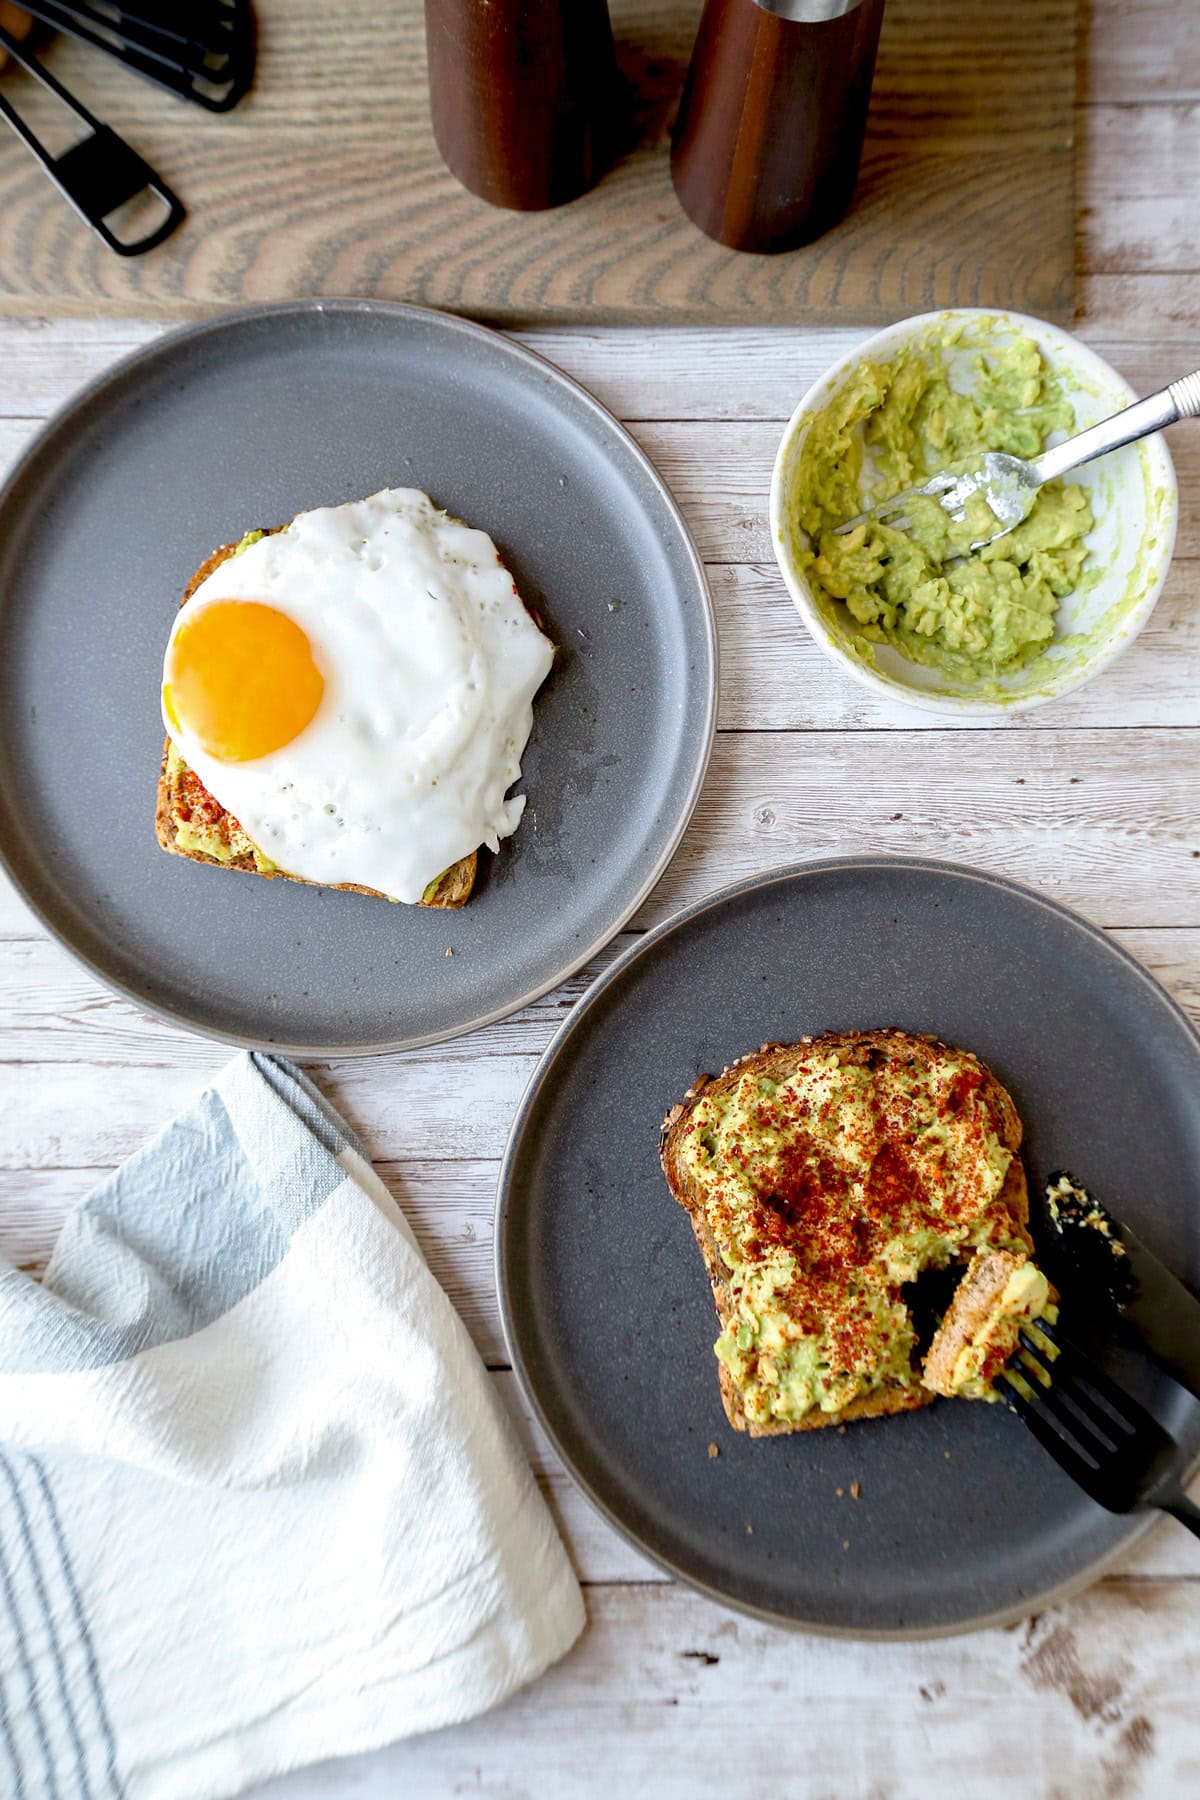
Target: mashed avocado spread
pixel 980 615
pixel 825 1193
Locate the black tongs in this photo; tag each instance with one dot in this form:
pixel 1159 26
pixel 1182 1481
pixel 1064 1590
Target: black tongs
pixel 101 173
pixel 202 50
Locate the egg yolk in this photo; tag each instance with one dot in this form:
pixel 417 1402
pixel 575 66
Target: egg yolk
pixel 241 677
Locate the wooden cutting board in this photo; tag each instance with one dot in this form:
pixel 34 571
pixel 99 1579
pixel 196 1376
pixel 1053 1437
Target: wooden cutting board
pixel 326 180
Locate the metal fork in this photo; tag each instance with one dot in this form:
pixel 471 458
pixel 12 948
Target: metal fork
pixel 1009 484
pixel 1104 1438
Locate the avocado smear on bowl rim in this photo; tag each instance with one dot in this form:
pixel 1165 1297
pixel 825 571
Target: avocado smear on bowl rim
pixel 976 616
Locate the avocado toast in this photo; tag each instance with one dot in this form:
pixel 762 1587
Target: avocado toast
pixel 821 1179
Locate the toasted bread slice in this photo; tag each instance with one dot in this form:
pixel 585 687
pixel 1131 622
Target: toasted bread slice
pixel 180 790
pixel 884 1400
pixel 871 1050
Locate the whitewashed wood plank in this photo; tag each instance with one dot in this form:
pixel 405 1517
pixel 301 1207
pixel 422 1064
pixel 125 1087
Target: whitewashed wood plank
pixel 694 372
pixel 672 374
pixel 1116 305
pixel 674 1698
pixel 72 1115
pixel 1172 957
pixel 720 474
pixel 33 1205
pixel 15 434
pixel 1104 821
pixel 1139 55
pixel 697 374
pixel 775 677
pixel 55 1012
pixel 16 920
pixel 44 361
pixel 1137 185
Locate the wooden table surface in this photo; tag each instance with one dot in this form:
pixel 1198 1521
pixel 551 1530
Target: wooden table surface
pixel 326 180
pixel 1093 799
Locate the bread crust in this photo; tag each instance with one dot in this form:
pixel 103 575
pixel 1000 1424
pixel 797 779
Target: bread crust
pixel 454 886
pixel 774 1059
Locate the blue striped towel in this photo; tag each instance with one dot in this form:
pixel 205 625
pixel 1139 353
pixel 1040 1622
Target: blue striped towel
pixel 258 1503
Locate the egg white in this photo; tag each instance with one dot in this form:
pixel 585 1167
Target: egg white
pixel 430 663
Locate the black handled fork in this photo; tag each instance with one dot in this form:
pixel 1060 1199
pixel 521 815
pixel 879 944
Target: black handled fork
pixel 1104 1438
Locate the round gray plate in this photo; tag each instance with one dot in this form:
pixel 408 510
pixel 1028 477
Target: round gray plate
pixel 244 422
pixel 962 1519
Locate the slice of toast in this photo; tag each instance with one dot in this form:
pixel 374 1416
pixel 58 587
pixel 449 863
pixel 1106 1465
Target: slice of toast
pixel 180 790
pixel 870 1049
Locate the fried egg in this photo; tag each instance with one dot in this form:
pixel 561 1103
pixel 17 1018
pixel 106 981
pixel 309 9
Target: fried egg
pixel 357 691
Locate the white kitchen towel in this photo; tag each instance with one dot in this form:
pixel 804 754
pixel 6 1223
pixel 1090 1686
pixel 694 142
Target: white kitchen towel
pixel 258 1502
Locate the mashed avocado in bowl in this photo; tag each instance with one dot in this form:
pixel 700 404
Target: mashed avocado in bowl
pixel 912 612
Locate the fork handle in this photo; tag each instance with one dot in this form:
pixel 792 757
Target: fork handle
pixel 1176 1502
pixel 1181 400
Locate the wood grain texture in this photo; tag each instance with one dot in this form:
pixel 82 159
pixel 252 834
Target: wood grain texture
pixel 1093 1698
pixel 1098 1696
pixel 1132 55
pixel 672 375
pixel 332 185
pixel 721 475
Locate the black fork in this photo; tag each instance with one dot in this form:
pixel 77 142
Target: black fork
pixel 1104 1439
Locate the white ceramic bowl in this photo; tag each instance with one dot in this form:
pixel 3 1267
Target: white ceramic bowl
pixel 1133 495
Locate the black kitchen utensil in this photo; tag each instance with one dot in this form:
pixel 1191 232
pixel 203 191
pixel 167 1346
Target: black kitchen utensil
pixel 1101 1436
pixel 101 173
pixel 1112 1279
pixel 203 53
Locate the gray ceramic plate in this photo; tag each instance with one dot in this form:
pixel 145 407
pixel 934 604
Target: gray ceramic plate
pixel 961 1519
pixel 246 421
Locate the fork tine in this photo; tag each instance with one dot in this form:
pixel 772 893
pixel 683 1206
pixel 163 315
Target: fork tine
pixel 1066 1399
pixel 885 512
pixel 1118 1407
pixel 1079 1467
pixel 1102 1436
pixel 887 509
pixel 954 500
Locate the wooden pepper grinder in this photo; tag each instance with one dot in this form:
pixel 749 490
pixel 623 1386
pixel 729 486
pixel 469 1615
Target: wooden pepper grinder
pixel 522 93
pixel 770 128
